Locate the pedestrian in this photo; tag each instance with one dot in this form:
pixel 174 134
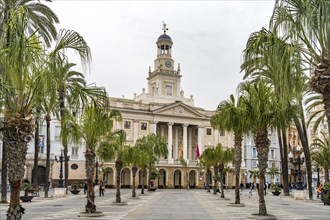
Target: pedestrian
pixel 242 187
pixel 265 188
pixel 101 189
pixel 319 190
pixel 205 186
pixel 188 185
pixel 251 188
pixel 85 187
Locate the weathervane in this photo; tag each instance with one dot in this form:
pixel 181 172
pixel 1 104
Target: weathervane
pixel 164 28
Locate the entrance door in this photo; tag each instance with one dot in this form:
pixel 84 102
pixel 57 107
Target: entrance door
pixel 192 179
pixel 162 179
pixel 42 176
pixel 177 179
pixel 125 178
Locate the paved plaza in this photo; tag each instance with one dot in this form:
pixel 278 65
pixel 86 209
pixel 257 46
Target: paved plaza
pixel 174 204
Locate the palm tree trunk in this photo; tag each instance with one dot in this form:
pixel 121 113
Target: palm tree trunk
pixel 47 118
pixel 35 171
pixel 221 181
pixel 208 179
pixel 285 174
pixel 238 161
pixel 119 165
pixel 149 177
pixel 90 167
pixel 17 133
pixel 216 173
pixel 304 143
pixel 4 174
pixel 143 178
pixel 134 170
pixel 262 144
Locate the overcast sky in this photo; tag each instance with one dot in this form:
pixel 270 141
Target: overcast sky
pixel 208 40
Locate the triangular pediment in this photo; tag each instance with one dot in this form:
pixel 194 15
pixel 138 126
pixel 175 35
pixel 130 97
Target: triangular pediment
pixel 178 109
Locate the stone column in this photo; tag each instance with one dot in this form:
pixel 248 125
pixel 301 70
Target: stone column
pixel 185 140
pixel 162 130
pixel 176 143
pixel 153 127
pixel 200 139
pixel 169 142
pixel 136 131
pixel 192 153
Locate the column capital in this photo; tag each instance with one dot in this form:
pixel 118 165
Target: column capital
pixel 170 123
pixel 153 122
pixel 135 120
pixel 185 125
pixel 200 126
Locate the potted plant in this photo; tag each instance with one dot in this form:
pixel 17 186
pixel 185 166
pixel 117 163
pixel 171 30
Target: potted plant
pixel 26 187
pixel 75 189
pixel 325 197
pixel 276 190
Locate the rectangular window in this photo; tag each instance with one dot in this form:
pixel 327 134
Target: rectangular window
pixel 222 133
pixel 168 90
pixel 74 152
pixel 127 124
pixel 41 144
pixel 143 126
pixel 254 152
pixel 208 131
pixel 57 133
pixel 42 130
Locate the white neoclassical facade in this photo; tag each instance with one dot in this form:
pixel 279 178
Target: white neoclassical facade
pixel 163 109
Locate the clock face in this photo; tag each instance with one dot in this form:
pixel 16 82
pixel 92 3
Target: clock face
pixel 168 64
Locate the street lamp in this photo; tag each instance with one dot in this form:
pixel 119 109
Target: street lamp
pixel 96 172
pixel 61 159
pixel 298 160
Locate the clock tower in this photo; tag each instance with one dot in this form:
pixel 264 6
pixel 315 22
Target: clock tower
pixel 164 80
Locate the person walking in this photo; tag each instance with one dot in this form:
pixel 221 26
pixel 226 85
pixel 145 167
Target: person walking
pixel 251 188
pixel 242 187
pixel 101 189
pixel 85 187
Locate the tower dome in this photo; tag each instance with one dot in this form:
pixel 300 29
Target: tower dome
pixel 164 38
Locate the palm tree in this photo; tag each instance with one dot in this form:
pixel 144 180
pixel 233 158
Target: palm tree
pixel 136 157
pixel 94 128
pixel 71 85
pixel 115 148
pixel 254 174
pixel 308 21
pixel 156 147
pixel 39 20
pixel 48 107
pixel 207 159
pixel 259 99
pixel 273 171
pixel 320 151
pixel 270 57
pixel 21 76
pixel 223 156
pixel 230 116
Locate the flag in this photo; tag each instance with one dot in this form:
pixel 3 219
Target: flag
pixel 197 151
